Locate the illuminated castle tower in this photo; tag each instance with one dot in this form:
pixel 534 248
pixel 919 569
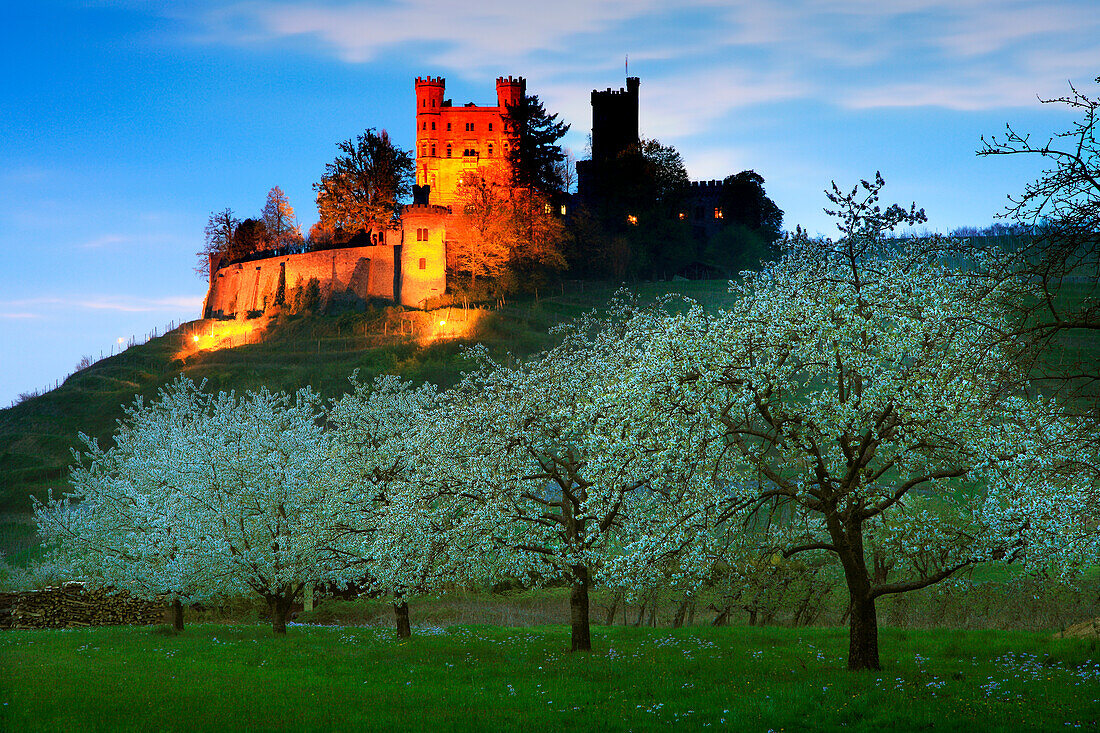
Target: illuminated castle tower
pixel 452 140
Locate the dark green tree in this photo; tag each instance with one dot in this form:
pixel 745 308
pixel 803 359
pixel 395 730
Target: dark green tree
pixel 535 154
pixel 751 225
pixel 363 188
pixel 744 202
pixel 251 237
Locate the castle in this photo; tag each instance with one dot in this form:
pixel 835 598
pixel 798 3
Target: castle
pixel 451 141
pixel 407 265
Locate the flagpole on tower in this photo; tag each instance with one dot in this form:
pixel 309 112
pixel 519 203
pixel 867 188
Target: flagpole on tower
pixel 626 65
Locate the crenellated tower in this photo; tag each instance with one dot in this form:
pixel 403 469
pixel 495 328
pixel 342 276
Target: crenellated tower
pixel 614 120
pixel 510 91
pixel 451 141
pixel 614 129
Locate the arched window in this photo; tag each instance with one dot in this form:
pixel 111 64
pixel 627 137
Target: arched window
pixel 448 150
pixel 490 155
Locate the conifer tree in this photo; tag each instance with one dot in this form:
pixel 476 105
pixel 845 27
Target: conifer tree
pixel 535 154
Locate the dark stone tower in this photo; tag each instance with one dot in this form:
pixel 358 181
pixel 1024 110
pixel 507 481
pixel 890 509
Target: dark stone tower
pixel 614 120
pixel 614 129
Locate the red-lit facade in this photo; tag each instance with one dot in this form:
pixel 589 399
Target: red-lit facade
pixel 453 140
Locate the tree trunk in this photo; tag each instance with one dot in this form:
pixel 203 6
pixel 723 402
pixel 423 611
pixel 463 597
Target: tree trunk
pixel 280 609
pixel 401 616
pixel 681 612
pixel 863 634
pixel 581 640
pixel 177 615
pixel 613 608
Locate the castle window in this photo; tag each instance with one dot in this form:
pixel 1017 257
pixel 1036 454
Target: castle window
pixel 448 127
pixel 433 150
pixel 433 102
pixel 423 263
pixel 422 234
pixel 433 124
pixel 631 219
pixel 424 125
pixel 490 150
pixel 470 152
pixel 469 127
pixel 683 215
pixel 698 212
pixel 717 213
pixel 490 127
pixel 448 150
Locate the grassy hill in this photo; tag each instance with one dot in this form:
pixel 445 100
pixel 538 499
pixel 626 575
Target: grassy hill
pixel 38 435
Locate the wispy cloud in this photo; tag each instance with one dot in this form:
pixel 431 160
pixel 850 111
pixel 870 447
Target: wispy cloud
pixel 51 305
pixel 856 53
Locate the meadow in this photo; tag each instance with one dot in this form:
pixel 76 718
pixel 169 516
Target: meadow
pixel 213 677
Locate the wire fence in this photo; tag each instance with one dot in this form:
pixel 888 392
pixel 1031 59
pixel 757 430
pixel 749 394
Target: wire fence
pixel 120 345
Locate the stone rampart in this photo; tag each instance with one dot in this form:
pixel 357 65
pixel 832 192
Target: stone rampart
pixel 251 287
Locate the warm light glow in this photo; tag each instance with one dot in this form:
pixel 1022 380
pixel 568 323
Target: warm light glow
pixel 211 335
pixel 444 324
pixel 631 219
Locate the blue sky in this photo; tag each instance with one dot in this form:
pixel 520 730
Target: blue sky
pixel 126 123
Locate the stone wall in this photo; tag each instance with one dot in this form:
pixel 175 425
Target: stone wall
pixel 249 287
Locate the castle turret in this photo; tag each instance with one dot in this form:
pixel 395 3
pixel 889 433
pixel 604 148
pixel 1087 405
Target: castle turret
pixel 614 120
pixel 429 94
pixel 510 91
pixel 452 141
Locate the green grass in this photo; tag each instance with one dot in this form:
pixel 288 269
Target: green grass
pixel 487 678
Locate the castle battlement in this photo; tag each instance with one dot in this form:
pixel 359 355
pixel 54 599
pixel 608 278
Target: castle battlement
pixel 415 209
pixel 704 186
pixel 510 80
pixel 632 84
pixel 430 80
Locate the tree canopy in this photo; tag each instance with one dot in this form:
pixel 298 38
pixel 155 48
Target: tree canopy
pixel 362 189
pixel 745 203
pixel 857 382
pixel 279 220
pixel 218 240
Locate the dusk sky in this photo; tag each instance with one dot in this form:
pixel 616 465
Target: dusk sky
pixel 126 123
